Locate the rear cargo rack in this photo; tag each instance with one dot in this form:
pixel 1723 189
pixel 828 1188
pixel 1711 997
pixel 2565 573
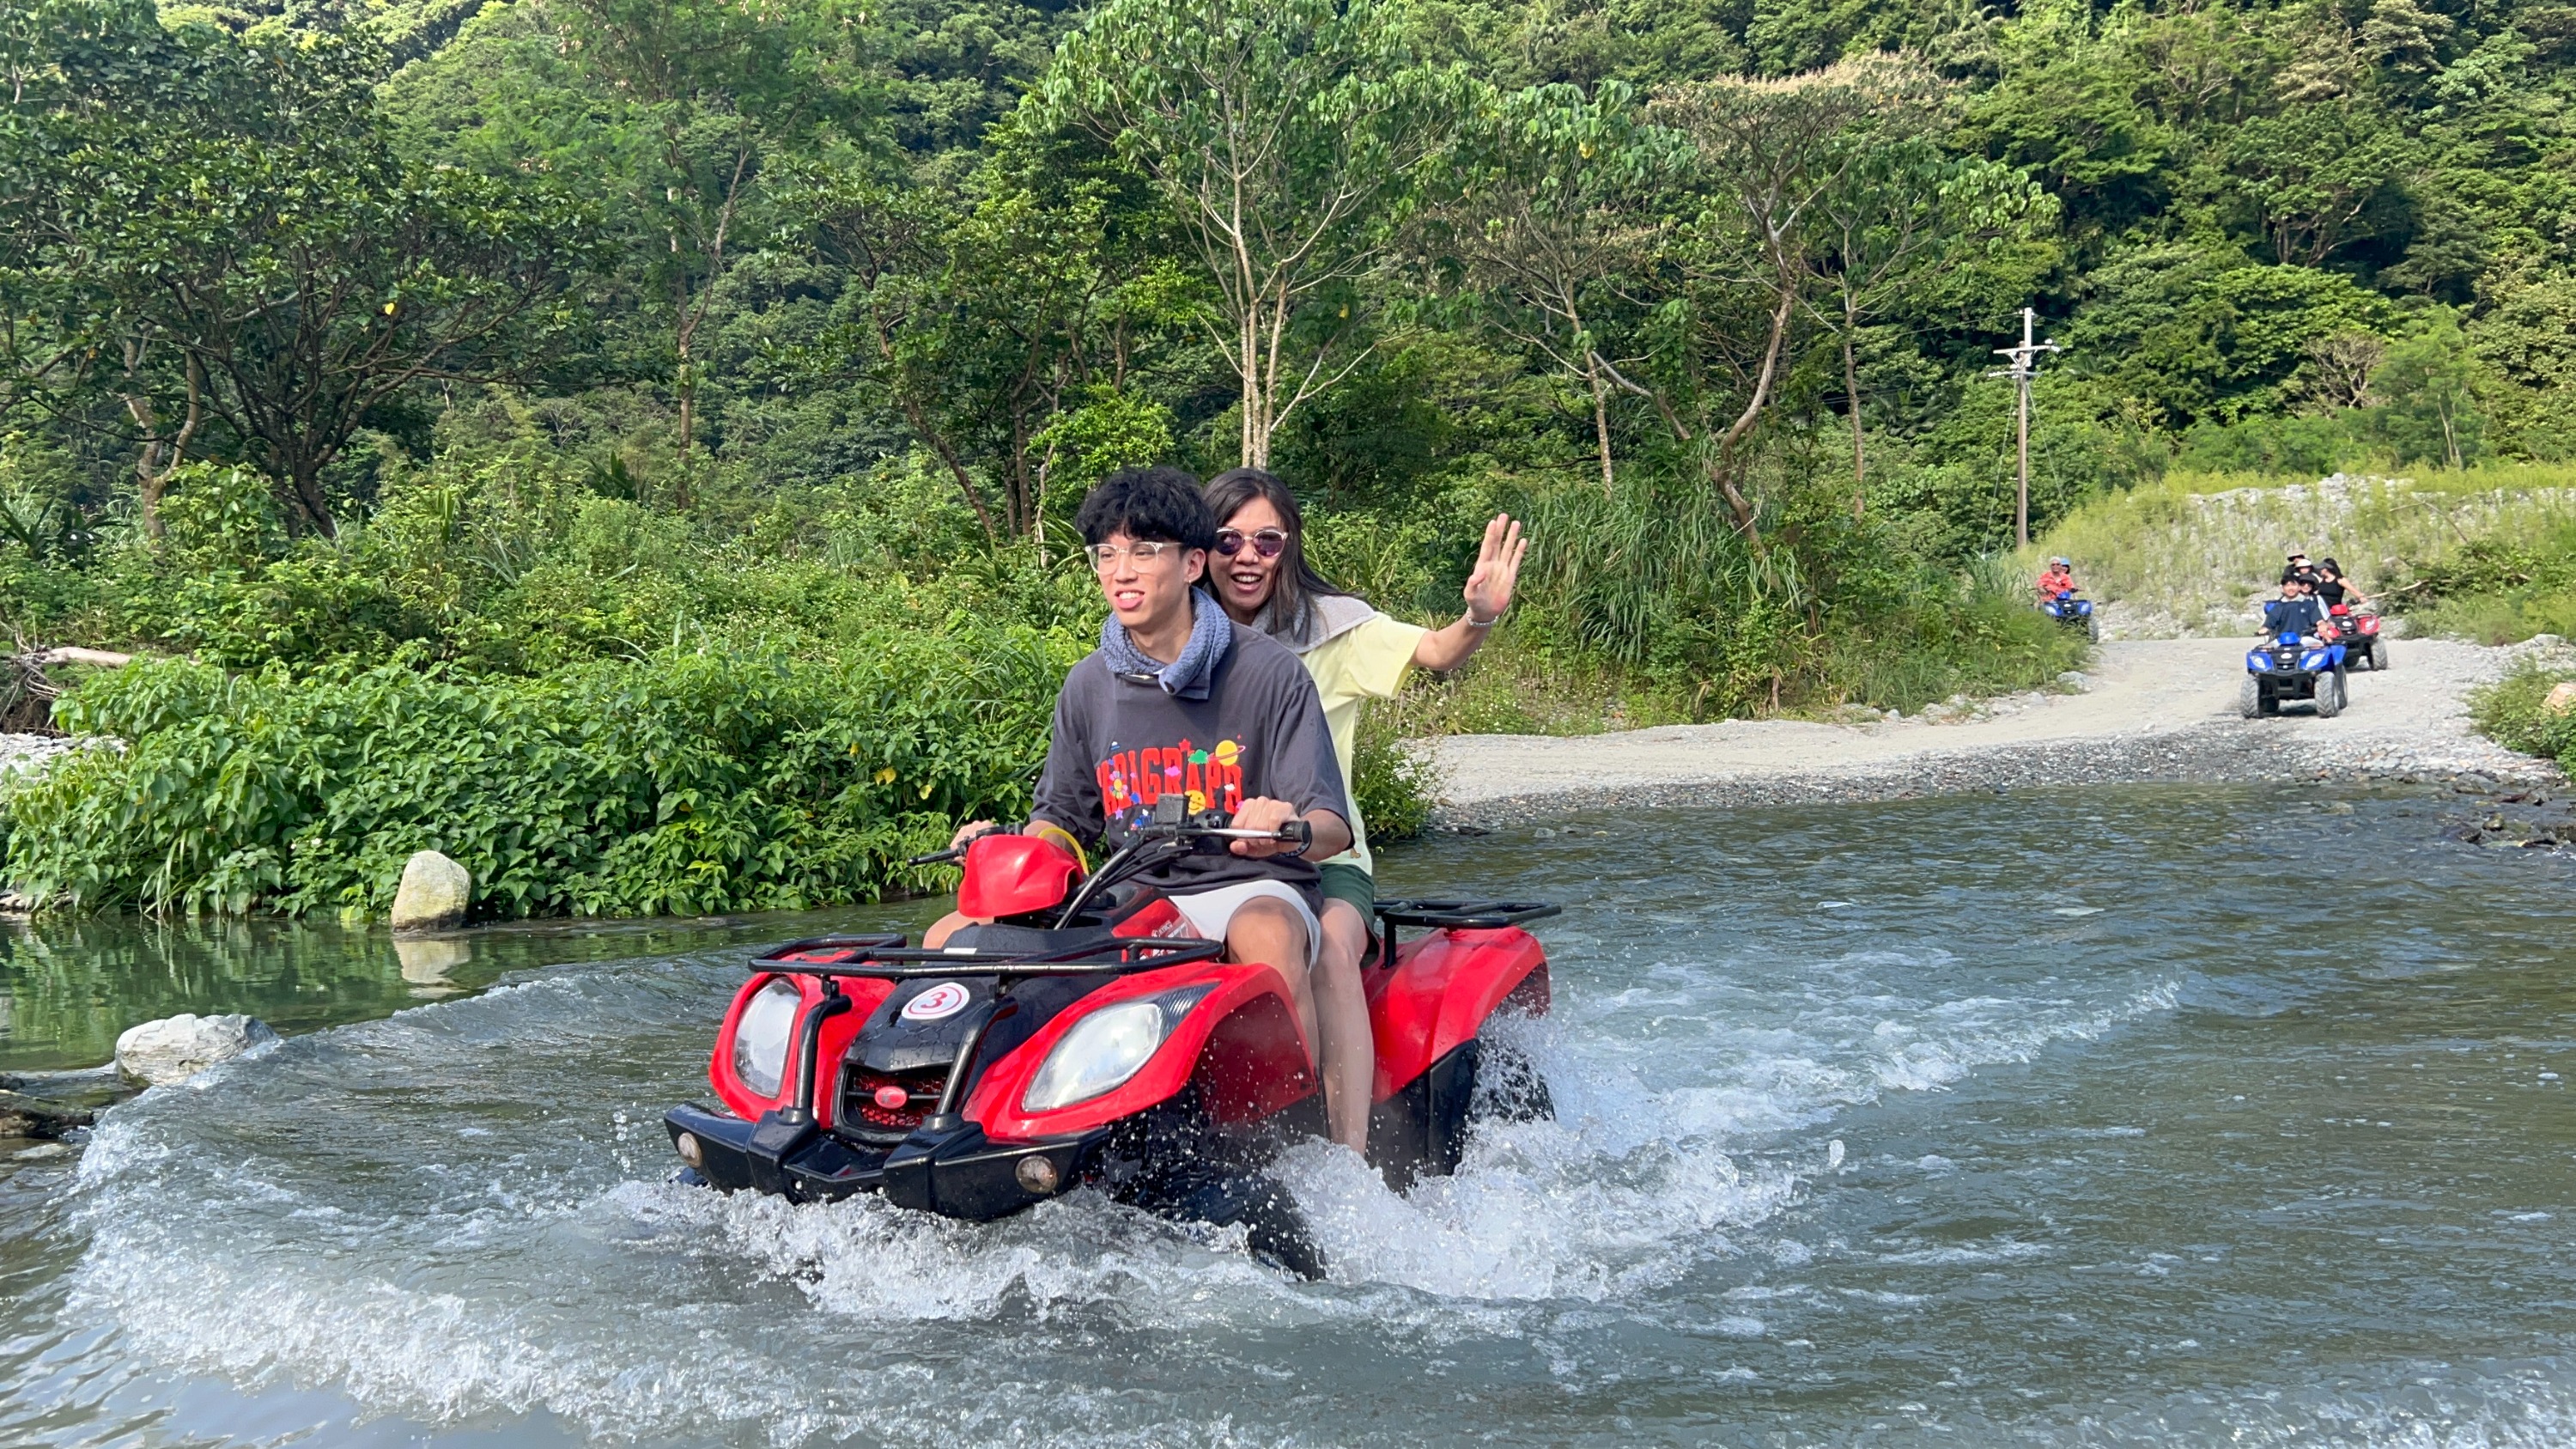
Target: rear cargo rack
pixel 1464 915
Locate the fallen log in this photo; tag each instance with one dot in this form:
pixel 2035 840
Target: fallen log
pixel 74 654
pixel 25 1116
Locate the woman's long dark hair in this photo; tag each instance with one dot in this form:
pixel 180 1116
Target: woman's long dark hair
pixel 1295 586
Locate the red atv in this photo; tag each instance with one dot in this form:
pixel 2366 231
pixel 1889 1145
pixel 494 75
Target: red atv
pixel 2358 631
pixel 1086 1038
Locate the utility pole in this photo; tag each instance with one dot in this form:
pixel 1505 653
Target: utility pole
pixel 2022 367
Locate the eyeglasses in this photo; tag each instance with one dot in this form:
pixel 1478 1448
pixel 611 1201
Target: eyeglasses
pixel 1267 543
pixel 1104 556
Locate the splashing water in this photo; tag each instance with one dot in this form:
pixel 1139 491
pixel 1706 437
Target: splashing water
pixel 1943 1162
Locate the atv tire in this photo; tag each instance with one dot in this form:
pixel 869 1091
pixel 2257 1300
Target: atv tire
pixel 2093 628
pixel 2379 656
pixel 1509 1088
pixel 2249 700
pixel 2330 694
pixel 1274 1229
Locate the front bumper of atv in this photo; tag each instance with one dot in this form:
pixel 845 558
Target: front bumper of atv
pixel 958 1172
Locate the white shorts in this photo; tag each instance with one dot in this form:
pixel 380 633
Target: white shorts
pixel 1210 911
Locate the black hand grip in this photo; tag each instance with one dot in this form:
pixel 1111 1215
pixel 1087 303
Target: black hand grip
pixel 939 857
pixel 1297 833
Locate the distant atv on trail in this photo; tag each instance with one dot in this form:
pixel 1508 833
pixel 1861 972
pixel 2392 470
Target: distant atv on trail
pixel 2074 613
pixel 2358 631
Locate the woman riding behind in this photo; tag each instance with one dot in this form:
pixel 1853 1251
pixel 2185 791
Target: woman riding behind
pixel 2333 588
pixel 1355 653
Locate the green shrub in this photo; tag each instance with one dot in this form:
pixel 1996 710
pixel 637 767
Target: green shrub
pixel 2512 712
pixel 2499 587
pixel 1391 785
pixel 691 781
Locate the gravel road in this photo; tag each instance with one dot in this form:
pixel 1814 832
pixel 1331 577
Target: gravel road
pixel 2150 709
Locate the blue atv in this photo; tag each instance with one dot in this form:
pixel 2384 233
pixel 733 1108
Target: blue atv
pixel 2286 667
pixel 2074 613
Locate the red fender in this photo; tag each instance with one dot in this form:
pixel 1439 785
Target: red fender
pixel 865 996
pixel 1443 987
pixel 1242 1040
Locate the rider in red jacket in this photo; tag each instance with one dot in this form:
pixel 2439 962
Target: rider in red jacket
pixel 2060 579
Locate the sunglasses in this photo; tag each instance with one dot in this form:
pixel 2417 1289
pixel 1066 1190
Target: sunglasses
pixel 1267 543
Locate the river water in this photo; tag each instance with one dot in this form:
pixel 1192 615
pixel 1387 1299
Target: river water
pixel 2140 1114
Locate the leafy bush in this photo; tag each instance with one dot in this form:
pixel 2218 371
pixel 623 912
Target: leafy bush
pixel 691 781
pixel 2499 587
pixel 1391 785
pixel 2513 713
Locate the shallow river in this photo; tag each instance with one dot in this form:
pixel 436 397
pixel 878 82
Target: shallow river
pixel 2097 1116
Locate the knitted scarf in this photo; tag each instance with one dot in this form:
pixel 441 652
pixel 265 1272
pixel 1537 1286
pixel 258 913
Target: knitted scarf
pixel 1193 674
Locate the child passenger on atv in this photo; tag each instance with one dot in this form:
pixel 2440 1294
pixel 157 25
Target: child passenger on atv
pixel 1180 697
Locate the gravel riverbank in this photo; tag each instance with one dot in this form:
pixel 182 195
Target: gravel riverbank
pixel 2150 710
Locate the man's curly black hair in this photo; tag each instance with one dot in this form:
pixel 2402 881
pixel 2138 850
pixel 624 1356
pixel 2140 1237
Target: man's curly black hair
pixel 1148 503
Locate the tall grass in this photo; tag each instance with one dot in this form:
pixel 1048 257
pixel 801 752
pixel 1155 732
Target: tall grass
pixel 2188 554
pixel 1646 607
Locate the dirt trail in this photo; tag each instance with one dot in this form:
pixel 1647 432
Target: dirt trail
pixel 2153 709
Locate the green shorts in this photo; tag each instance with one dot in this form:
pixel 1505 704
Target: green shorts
pixel 1346 882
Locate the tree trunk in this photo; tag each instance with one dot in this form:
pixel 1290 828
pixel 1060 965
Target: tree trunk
pixel 1601 421
pixel 305 478
pixel 160 457
pixel 1721 464
pixel 1851 395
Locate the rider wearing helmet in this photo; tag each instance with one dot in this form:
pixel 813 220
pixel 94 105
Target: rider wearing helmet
pixel 2296 566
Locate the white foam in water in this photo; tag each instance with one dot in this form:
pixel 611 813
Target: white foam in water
pixel 436 1242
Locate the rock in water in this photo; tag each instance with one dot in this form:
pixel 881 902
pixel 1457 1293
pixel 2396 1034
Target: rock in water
pixel 433 894
pixel 176 1048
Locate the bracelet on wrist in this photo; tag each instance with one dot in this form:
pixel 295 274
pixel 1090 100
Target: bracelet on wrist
pixel 1472 622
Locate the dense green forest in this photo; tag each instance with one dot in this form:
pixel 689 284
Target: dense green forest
pixel 691 396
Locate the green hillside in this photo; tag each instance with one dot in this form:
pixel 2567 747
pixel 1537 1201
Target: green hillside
pixel 507 343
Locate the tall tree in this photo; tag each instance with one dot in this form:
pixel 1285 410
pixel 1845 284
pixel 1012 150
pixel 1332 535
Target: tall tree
pixel 988 312
pixel 1552 211
pixel 221 216
pixel 1291 138
pixel 1765 157
pixel 1903 213
pixel 701 98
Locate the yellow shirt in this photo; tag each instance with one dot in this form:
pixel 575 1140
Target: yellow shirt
pixel 1362 663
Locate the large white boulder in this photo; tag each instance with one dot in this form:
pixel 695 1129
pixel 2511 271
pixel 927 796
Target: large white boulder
pixel 433 895
pixel 176 1048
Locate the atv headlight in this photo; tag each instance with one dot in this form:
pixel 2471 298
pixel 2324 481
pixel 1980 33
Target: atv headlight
pixel 760 1036
pixel 1107 1047
pixel 2255 662
pixel 2315 660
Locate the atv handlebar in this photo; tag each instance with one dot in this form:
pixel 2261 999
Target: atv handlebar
pixel 888 958
pixel 1206 825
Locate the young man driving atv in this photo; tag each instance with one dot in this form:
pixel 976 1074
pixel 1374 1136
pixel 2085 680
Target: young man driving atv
pixel 2294 612
pixel 1180 698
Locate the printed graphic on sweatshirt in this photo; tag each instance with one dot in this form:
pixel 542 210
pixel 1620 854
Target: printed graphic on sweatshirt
pixel 1132 780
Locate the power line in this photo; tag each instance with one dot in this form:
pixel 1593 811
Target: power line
pixel 2023 366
